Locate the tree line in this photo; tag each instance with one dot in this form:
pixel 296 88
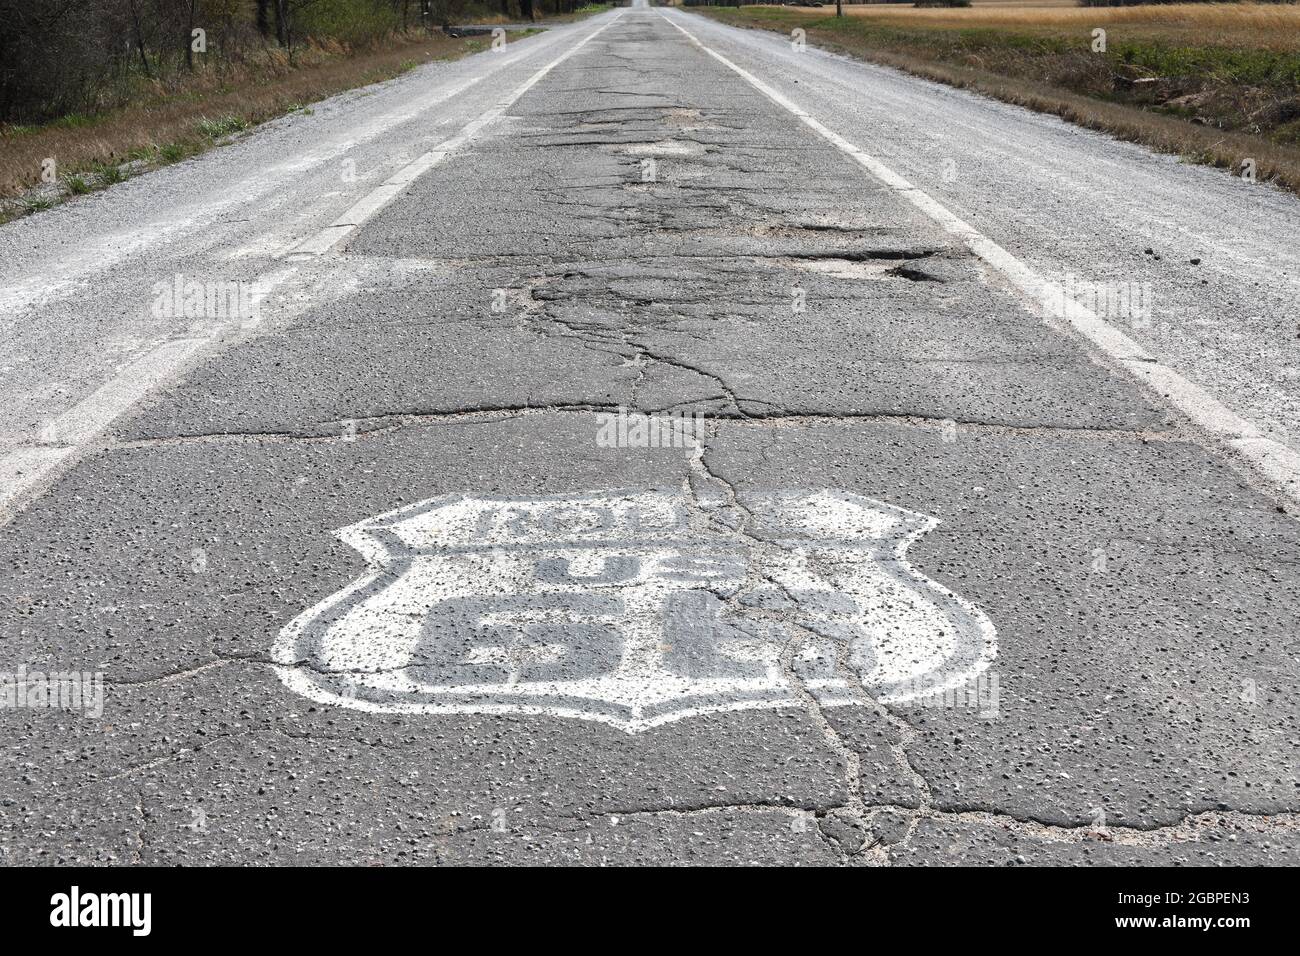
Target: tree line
pixel 60 57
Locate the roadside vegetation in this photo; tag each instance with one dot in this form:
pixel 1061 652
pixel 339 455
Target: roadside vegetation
pixel 93 93
pixel 1216 83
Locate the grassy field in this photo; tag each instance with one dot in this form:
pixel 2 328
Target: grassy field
pixel 1217 83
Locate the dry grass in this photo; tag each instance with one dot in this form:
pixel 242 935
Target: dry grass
pixel 586 10
pixel 1024 3
pixel 1217 83
pixel 1001 13
pixel 1266 26
pixel 166 126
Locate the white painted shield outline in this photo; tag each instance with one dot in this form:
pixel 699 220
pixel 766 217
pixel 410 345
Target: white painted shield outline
pixel 390 558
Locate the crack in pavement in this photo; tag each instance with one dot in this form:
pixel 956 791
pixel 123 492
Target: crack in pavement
pixel 856 806
pixel 375 426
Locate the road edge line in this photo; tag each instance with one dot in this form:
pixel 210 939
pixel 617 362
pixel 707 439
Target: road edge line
pixel 24 467
pixel 326 239
pixel 62 441
pixel 1276 462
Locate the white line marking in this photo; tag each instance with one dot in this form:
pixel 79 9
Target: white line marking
pixel 392 187
pixel 42 288
pixel 62 438
pixel 23 467
pixel 96 411
pixel 1278 463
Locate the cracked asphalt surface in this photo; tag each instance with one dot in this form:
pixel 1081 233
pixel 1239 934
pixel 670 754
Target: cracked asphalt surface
pixel 644 231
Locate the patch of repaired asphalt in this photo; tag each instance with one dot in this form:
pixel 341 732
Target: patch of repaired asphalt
pixel 713 335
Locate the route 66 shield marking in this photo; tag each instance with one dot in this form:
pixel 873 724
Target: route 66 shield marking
pixel 632 609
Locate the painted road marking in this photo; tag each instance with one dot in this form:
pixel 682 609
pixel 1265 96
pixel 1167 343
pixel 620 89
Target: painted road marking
pixel 1276 462
pixel 22 468
pixel 392 187
pixel 633 609
pixel 61 439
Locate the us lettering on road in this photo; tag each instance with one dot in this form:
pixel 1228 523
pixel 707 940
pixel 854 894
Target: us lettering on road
pixel 624 608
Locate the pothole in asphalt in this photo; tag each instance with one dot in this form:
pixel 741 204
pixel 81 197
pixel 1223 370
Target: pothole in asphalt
pixel 862 268
pixel 824 225
pixel 832 223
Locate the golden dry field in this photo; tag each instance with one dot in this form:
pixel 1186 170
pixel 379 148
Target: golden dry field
pixel 1268 26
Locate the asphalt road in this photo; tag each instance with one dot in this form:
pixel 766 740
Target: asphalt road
pixel 376 571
